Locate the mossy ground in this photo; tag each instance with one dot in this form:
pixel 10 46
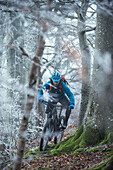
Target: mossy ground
pixel 93 150
pixel 107 165
pixel 31 153
pixel 108 139
pixel 80 139
pixel 78 151
pixel 79 144
pixel 68 144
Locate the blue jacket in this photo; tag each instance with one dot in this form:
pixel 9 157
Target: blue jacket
pixel 58 92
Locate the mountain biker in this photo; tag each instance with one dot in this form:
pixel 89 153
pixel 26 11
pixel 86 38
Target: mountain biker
pixel 58 92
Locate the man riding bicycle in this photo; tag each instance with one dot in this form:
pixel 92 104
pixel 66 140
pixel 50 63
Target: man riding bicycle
pixel 59 92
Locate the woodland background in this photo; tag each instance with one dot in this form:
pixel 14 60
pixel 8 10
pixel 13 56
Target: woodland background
pixel 39 37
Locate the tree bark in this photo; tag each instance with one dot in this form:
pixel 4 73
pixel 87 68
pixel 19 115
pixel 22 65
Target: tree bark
pixel 30 100
pixel 100 107
pixel 33 78
pixel 86 57
pixel 40 108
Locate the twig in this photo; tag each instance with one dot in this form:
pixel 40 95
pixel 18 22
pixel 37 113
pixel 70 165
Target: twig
pixel 24 52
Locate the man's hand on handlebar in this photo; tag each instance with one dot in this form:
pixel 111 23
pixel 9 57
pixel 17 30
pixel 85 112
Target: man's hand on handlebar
pixel 41 99
pixel 71 106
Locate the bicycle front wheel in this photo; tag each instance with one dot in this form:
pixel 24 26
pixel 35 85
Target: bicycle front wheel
pixel 46 135
pixel 60 132
pixel 58 137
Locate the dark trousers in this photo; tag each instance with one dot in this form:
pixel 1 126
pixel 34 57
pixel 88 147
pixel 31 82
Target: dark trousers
pixel 65 104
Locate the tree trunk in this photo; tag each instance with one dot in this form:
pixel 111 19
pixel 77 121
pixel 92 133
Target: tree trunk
pixel 85 61
pixel 40 108
pixel 99 113
pixel 30 100
pixel 33 78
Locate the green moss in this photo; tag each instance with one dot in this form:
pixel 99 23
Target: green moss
pixel 108 139
pixel 63 142
pixel 105 165
pixel 80 139
pixel 108 149
pixel 26 156
pixel 31 153
pixel 104 141
pixel 109 153
pixel 69 144
pixel 78 151
pixel 93 150
pixel 91 136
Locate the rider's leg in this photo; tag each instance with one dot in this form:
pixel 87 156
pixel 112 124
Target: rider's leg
pixel 65 103
pixel 68 112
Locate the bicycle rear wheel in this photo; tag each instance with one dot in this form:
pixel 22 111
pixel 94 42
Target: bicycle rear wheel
pixel 59 133
pixel 46 135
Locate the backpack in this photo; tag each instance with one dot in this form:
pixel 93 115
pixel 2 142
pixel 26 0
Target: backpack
pixel 64 80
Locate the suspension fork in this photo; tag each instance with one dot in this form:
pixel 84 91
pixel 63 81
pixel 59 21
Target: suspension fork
pixel 60 112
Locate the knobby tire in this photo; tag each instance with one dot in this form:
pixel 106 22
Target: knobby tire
pixel 47 131
pixel 60 133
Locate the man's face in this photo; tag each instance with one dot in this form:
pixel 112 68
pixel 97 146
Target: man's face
pixel 56 83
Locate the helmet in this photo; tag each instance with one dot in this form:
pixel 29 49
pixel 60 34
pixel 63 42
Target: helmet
pixel 56 77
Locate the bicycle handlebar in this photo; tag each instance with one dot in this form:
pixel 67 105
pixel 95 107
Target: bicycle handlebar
pixel 46 102
pixel 55 105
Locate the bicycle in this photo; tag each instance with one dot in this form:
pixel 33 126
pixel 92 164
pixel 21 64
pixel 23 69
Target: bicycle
pixel 53 126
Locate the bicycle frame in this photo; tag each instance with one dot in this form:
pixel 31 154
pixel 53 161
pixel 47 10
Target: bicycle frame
pixel 52 126
pixel 54 109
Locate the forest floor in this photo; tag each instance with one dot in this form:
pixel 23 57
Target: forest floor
pixel 66 161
